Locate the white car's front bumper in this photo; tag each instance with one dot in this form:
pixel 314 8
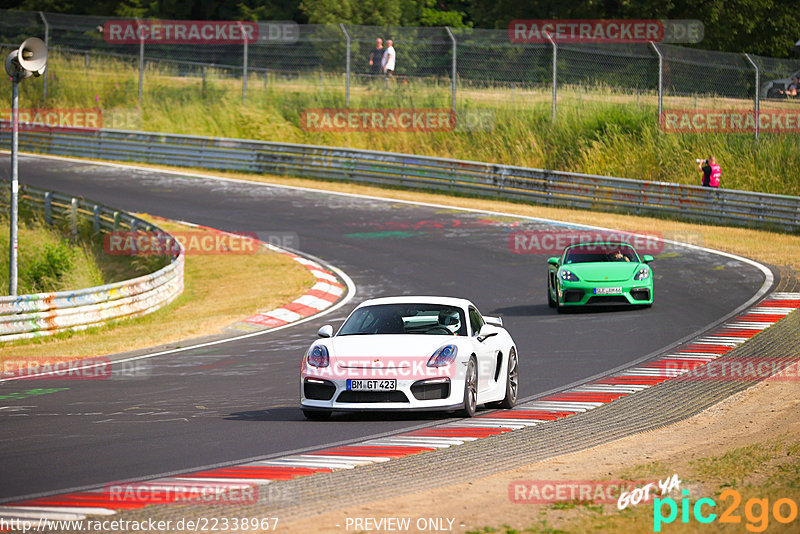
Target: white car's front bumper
pixel 331 394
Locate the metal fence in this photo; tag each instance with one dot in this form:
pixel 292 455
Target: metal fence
pixel 552 188
pixel 27 316
pixel 452 60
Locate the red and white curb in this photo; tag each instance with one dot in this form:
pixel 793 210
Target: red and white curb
pixel 322 295
pixel 219 481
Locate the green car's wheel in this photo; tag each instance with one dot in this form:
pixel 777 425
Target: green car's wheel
pixel 550 301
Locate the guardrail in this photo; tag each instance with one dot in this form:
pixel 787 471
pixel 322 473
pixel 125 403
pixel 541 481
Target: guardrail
pixel 723 206
pixel 27 316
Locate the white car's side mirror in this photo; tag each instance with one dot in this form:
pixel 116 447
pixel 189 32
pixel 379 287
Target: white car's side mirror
pixel 325 331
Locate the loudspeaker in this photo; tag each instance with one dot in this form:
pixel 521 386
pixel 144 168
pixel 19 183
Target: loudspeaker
pixel 33 55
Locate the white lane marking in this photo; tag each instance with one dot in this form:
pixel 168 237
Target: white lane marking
pixel 607 388
pixel 710 355
pixel 313 302
pixel 64 511
pixel 406 443
pixel 351 293
pixel 771 310
pixel 497 423
pixel 225 480
pixel 312 465
pixel 328 460
pixel 327 287
pixel 282 314
pixel 370 459
pixel 419 440
pixel 563 405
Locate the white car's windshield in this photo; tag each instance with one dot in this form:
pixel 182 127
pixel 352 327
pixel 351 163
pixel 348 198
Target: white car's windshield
pixel 435 319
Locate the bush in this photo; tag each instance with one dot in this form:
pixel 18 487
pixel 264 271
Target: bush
pixel 47 270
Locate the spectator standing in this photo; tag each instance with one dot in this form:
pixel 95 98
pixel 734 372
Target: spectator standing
pixel 712 173
pixel 389 57
pixel 376 57
pixel 793 89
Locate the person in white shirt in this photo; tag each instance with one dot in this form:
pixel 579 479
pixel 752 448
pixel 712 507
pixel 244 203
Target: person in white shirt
pixel 388 58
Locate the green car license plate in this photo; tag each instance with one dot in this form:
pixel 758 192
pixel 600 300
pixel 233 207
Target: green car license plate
pixel 607 290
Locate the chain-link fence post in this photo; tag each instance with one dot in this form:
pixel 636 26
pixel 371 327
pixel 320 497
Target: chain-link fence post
pixel 555 72
pixel 347 68
pixel 47 45
pixel 141 59
pixel 454 71
pixel 756 98
pixel 660 83
pixel 244 64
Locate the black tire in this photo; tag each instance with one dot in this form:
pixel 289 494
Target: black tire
pixel 512 383
pixel 314 415
pixel 470 390
pixel 550 302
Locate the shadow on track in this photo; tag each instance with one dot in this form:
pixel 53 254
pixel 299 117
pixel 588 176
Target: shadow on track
pixel 295 414
pixel 534 310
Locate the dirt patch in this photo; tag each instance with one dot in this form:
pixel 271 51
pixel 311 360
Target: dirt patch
pixel 767 411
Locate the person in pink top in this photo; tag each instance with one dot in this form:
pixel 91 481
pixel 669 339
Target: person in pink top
pixel 712 173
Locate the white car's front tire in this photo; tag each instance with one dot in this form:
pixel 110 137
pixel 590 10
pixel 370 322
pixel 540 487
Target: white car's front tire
pixel 470 389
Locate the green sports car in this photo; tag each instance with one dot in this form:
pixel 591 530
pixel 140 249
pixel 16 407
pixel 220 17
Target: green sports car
pixel 603 273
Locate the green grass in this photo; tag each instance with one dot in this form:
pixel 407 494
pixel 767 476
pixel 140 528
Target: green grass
pixel 767 470
pixel 51 259
pixel 598 130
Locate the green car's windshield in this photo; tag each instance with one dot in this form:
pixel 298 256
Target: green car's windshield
pixel 600 252
pixel 406 319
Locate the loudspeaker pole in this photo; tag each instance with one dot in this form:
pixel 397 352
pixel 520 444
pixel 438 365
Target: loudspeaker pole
pixel 12 242
pixel 29 60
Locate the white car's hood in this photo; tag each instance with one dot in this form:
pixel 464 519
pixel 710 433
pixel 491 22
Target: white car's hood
pixel 388 346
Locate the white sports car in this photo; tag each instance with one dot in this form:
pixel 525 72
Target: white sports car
pixel 410 353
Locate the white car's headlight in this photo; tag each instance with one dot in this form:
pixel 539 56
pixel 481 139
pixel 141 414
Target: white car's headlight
pixel 317 356
pixel 643 274
pixel 443 356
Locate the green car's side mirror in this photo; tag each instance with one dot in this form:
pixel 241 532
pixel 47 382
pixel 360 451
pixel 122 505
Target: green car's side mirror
pixel 647 258
pixel 553 261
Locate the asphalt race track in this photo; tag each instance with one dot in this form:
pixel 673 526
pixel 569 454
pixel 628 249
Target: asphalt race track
pixel 239 400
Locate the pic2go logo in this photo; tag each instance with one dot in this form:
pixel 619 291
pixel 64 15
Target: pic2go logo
pixel 756 511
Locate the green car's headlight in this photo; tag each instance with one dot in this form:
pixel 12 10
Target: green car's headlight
pixel 643 274
pixel 568 276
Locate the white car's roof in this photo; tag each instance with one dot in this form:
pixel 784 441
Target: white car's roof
pixel 446 301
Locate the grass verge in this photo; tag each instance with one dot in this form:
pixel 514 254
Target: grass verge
pixel 598 130
pixel 218 290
